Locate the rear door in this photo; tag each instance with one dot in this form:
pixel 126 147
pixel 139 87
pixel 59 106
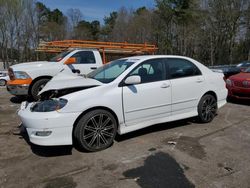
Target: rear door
pixel 152 97
pixel 187 84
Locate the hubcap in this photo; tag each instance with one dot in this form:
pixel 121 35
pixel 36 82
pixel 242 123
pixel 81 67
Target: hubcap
pixel 99 131
pixel 2 82
pixel 209 108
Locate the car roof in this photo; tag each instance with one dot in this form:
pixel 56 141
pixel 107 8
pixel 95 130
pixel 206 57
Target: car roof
pixel 146 57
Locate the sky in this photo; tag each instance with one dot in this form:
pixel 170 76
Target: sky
pixel 96 9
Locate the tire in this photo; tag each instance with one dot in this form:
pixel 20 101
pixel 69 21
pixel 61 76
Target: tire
pixel 2 82
pixel 95 130
pixel 207 108
pixel 37 86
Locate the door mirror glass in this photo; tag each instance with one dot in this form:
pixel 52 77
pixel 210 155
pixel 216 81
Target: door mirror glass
pixel 69 61
pixel 131 80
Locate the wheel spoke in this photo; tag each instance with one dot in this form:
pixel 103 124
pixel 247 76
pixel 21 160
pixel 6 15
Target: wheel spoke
pixel 103 139
pixel 206 116
pixel 98 141
pixel 107 133
pixel 100 120
pixel 109 127
pixel 94 122
pixel 89 135
pixel 106 122
pixel 92 140
pixel 90 128
pixel 211 114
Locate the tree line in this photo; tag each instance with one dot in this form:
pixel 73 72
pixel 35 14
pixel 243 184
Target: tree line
pixel 211 31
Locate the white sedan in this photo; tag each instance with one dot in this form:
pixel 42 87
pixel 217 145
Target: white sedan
pixel 123 96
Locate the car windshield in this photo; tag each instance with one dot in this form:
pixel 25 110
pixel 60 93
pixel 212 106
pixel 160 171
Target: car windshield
pixel 110 71
pixel 60 56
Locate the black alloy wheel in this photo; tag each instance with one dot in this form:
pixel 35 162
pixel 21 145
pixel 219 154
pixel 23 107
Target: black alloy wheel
pixel 207 108
pixel 96 130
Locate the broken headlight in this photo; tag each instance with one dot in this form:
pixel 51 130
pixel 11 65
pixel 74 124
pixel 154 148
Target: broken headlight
pixel 49 105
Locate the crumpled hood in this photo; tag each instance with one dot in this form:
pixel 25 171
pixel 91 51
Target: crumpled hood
pixel 70 81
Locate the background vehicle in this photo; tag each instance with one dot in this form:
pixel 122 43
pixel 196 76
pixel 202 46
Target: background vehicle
pixel 3 78
pixel 123 96
pixel 30 78
pixel 239 85
pixel 227 70
pixel 243 65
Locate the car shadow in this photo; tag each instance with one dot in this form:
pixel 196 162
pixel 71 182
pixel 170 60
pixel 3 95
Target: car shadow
pixel 155 128
pixel 44 151
pixel 244 102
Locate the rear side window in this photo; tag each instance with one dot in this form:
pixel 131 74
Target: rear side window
pixel 179 68
pixel 84 57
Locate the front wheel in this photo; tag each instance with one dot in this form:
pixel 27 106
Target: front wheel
pixel 96 130
pixel 37 87
pixel 207 108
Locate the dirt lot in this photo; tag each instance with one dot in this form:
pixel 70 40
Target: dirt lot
pixel 178 154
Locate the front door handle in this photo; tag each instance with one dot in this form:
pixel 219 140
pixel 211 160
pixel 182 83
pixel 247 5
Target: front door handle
pixel 93 68
pixel 165 85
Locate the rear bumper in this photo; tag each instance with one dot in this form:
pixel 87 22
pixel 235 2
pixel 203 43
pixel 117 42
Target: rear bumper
pixel 18 89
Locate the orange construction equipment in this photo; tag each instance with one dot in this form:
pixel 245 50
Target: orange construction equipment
pixel 103 47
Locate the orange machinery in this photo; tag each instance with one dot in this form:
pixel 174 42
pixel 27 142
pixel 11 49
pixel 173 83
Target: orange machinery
pixel 103 47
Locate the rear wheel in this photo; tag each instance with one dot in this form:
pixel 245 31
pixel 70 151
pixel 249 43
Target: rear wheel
pixel 207 108
pixel 96 130
pixel 2 82
pixel 37 87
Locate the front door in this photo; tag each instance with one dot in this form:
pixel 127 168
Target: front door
pixel 85 62
pixel 152 97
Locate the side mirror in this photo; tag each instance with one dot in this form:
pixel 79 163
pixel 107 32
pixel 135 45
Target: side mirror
pixel 70 61
pixel 131 80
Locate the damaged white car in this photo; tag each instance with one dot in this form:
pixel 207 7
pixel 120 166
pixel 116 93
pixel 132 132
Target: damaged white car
pixel 122 96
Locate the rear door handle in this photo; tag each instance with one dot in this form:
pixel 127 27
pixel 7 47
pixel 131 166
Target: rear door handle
pixel 165 85
pixel 199 80
pixel 93 68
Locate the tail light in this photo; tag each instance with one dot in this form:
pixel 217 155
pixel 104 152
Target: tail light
pixel 11 74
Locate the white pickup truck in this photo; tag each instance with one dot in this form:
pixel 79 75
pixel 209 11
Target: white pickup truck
pixel 27 79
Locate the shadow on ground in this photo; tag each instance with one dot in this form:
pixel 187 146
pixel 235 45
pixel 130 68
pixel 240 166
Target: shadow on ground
pixel 45 151
pixel 159 170
pixel 239 101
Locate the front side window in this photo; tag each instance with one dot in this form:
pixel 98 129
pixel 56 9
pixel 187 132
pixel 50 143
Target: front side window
pixel 179 68
pixel 60 56
pixel 110 71
pixel 150 71
pixel 84 57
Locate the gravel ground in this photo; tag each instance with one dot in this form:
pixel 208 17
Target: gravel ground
pixel 178 154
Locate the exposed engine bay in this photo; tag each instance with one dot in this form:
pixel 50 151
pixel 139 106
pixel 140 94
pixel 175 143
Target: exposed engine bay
pixel 61 92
